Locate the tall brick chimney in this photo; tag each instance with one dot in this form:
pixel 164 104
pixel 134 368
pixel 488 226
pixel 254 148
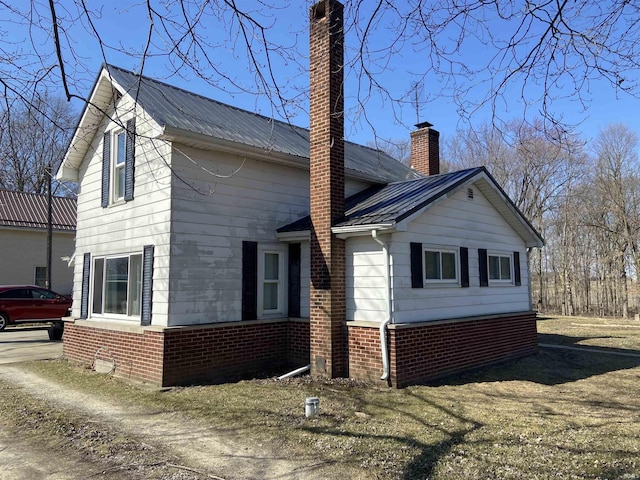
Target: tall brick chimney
pixel 328 329
pixel 425 149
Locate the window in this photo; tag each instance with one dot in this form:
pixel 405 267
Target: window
pixel 500 267
pixel 117 285
pixel 120 155
pixel 440 265
pixel 271 294
pixel 41 277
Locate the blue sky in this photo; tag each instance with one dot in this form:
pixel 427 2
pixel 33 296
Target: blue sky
pixel 124 24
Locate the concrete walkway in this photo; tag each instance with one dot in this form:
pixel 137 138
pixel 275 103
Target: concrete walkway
pixel 589 350
pixel 21 344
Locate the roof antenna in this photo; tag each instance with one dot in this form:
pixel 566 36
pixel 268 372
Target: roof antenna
pixel 417 105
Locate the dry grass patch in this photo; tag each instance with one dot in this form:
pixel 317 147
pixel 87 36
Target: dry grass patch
pixel 560 414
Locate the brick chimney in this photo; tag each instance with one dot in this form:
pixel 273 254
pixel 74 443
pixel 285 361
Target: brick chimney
pixel 425 149
pixel 328 329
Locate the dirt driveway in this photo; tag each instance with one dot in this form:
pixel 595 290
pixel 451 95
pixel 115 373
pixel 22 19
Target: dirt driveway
pixel 179 447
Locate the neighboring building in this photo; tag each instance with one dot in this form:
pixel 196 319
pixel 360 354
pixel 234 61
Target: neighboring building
pixel 23 240
pixel 196 257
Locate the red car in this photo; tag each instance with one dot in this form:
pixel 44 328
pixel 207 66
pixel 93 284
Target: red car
pixel 28 303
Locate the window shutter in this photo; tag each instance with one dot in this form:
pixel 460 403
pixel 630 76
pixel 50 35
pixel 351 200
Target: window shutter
pixel 416 265
pixel 106 167
pixel 249 280
pixel 129 161
pixel 483 267
pixel 147 285
pixel 84 299
pixel 464 267
pixel 516 268
pixel 294 279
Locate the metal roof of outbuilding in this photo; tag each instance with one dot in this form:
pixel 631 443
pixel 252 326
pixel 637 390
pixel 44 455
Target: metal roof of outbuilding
pixel 29 210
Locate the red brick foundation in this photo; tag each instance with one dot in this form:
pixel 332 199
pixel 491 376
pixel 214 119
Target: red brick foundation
pixel 429 350
pixel 184 355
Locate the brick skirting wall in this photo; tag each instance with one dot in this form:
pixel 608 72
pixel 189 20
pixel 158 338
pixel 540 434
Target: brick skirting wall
pixel 429 350
pixel 184 355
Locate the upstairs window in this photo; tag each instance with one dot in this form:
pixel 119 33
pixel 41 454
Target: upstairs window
pixel 120 155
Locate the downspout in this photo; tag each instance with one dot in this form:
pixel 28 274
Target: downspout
pixel 387 320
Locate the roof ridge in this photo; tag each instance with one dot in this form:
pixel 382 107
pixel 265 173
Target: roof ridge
pixel 107 66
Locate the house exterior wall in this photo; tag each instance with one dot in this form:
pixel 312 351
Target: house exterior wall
pixel 456 222
pixel 126 227
pixel 22 250
pixel 366 285
pixel 243 199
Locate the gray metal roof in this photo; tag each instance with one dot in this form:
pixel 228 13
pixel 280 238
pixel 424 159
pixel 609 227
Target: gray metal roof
pixel 390 204
pixel 393 202
pixel 177 108
pixel 29 210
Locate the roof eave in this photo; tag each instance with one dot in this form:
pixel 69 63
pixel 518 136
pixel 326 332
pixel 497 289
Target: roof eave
pixel 362 230
pixel 102 95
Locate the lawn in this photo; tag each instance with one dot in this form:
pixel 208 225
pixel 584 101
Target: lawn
pixel 557 414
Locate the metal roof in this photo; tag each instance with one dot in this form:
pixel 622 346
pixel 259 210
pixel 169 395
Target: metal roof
pixel 397 201
pixel 174 107
pixel 29 210
pixel 393 202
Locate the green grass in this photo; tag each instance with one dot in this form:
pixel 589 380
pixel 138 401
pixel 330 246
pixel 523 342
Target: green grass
pixel 557 414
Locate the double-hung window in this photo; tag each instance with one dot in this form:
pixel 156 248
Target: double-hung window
pixel 440 265
pixel 500 267
pixel 271 277
pixel 119 158
pixel 117 285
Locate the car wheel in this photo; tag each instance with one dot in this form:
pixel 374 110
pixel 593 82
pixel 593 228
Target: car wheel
pixel 4 321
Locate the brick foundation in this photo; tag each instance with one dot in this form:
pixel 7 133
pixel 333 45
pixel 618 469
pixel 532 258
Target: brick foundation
pixel 429 350
pixel 184 355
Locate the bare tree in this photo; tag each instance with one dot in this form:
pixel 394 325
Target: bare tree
pixel 31 143
pixel 545 50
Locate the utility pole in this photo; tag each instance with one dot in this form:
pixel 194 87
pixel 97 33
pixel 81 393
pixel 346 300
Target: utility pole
pixel 49 225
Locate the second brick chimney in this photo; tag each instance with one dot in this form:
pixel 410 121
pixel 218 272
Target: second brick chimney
pixel 425 149
pixel 327 302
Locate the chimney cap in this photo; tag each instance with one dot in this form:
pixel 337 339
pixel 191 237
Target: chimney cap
pixel 422 125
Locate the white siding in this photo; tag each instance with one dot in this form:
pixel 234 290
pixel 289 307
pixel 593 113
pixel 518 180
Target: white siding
pixel 124 228
pixel 238 199
pixel 366 287
pixel 23 250
pixel 457 222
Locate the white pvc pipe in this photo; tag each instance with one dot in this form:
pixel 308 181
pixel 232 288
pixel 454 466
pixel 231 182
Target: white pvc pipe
pixel 295 372
pixel 387 320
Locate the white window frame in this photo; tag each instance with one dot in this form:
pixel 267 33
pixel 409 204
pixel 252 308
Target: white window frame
pixel 106 258
pixel 500 256
pixel 281 282
pixel 440 250
pixel 116 168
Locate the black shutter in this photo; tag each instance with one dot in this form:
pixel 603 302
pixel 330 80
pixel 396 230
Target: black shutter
pixel 294 280
pixel 416 265
pixel 129 161
pixel 84 299
pixel 106 167
pixel 464 267
pixel 147 285
pixel 516 268
pixel 483 267
pixel 249 280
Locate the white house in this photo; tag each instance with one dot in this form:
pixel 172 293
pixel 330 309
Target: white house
pixel 194 246
pixel 23 240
